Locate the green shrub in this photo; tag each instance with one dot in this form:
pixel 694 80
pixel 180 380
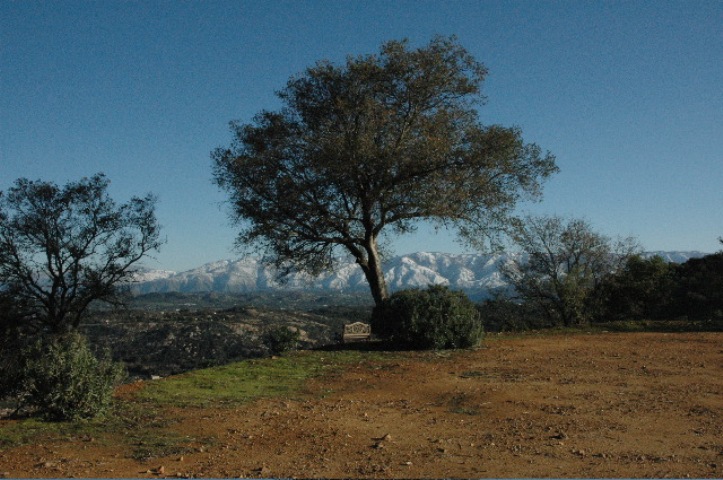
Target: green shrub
pixel 435 318
pixel 61 379
pixel 281 339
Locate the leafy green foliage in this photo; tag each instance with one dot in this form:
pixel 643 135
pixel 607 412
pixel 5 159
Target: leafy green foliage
pixel 435 318
pixel 370 148
pixel 652 289
pixel 642 289
pixel 59 377
pixel 699 289
pixel 639 294
pixel 280 339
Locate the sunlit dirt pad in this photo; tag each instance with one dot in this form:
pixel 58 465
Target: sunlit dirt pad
pixel 582 405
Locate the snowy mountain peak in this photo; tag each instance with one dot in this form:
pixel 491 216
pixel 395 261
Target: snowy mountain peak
pixel 476 274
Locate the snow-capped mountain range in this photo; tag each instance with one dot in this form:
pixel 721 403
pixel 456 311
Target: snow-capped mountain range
pixel 476 274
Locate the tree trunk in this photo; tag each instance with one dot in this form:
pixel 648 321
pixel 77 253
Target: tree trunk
pixel 372 267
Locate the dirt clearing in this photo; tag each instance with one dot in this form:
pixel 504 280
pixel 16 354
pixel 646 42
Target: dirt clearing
pixel 582 405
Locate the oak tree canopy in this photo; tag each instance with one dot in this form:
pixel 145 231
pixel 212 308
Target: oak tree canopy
pixel 371 148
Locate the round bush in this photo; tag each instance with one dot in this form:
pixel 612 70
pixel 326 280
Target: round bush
pixel 435 318
pixel 63 380
pixel 281 339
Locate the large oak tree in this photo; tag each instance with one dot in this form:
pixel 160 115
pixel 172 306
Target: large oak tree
pixel 372 147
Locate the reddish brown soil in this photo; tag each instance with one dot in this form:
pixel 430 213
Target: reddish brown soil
pixel 603 405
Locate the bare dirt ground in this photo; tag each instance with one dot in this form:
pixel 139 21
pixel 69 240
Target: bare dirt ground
pixel 601 405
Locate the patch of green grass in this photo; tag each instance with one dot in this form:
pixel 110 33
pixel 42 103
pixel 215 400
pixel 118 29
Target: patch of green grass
pixel 132 421
pixel 250 379
pixel 143 433
pixel 32 430
pixel 20 432
pixel 149 446
pixel 233 383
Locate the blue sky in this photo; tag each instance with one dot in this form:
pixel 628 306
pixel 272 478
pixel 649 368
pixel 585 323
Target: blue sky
pixel 628 95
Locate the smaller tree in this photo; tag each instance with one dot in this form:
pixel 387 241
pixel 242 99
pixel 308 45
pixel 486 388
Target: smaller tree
pixel 63 248
pixel 562 262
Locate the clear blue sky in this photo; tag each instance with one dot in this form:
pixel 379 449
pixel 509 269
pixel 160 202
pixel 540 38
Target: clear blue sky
pixel 628 95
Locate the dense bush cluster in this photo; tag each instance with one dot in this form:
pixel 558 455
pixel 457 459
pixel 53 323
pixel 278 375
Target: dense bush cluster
pixel 59 377
pixel 698 289
pixel 655 290
pixel 502 314
pixel 435 318
pixel 642 289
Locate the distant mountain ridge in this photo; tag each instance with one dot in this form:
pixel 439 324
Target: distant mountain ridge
pixel 476 274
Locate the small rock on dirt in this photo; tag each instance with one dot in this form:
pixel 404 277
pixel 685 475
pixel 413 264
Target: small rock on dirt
pixel 262 470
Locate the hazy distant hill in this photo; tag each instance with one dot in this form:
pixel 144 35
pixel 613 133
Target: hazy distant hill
pixel 476 274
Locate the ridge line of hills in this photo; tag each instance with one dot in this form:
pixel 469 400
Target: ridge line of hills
pixel 476 274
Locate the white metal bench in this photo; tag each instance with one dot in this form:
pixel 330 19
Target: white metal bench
pixel 356 332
